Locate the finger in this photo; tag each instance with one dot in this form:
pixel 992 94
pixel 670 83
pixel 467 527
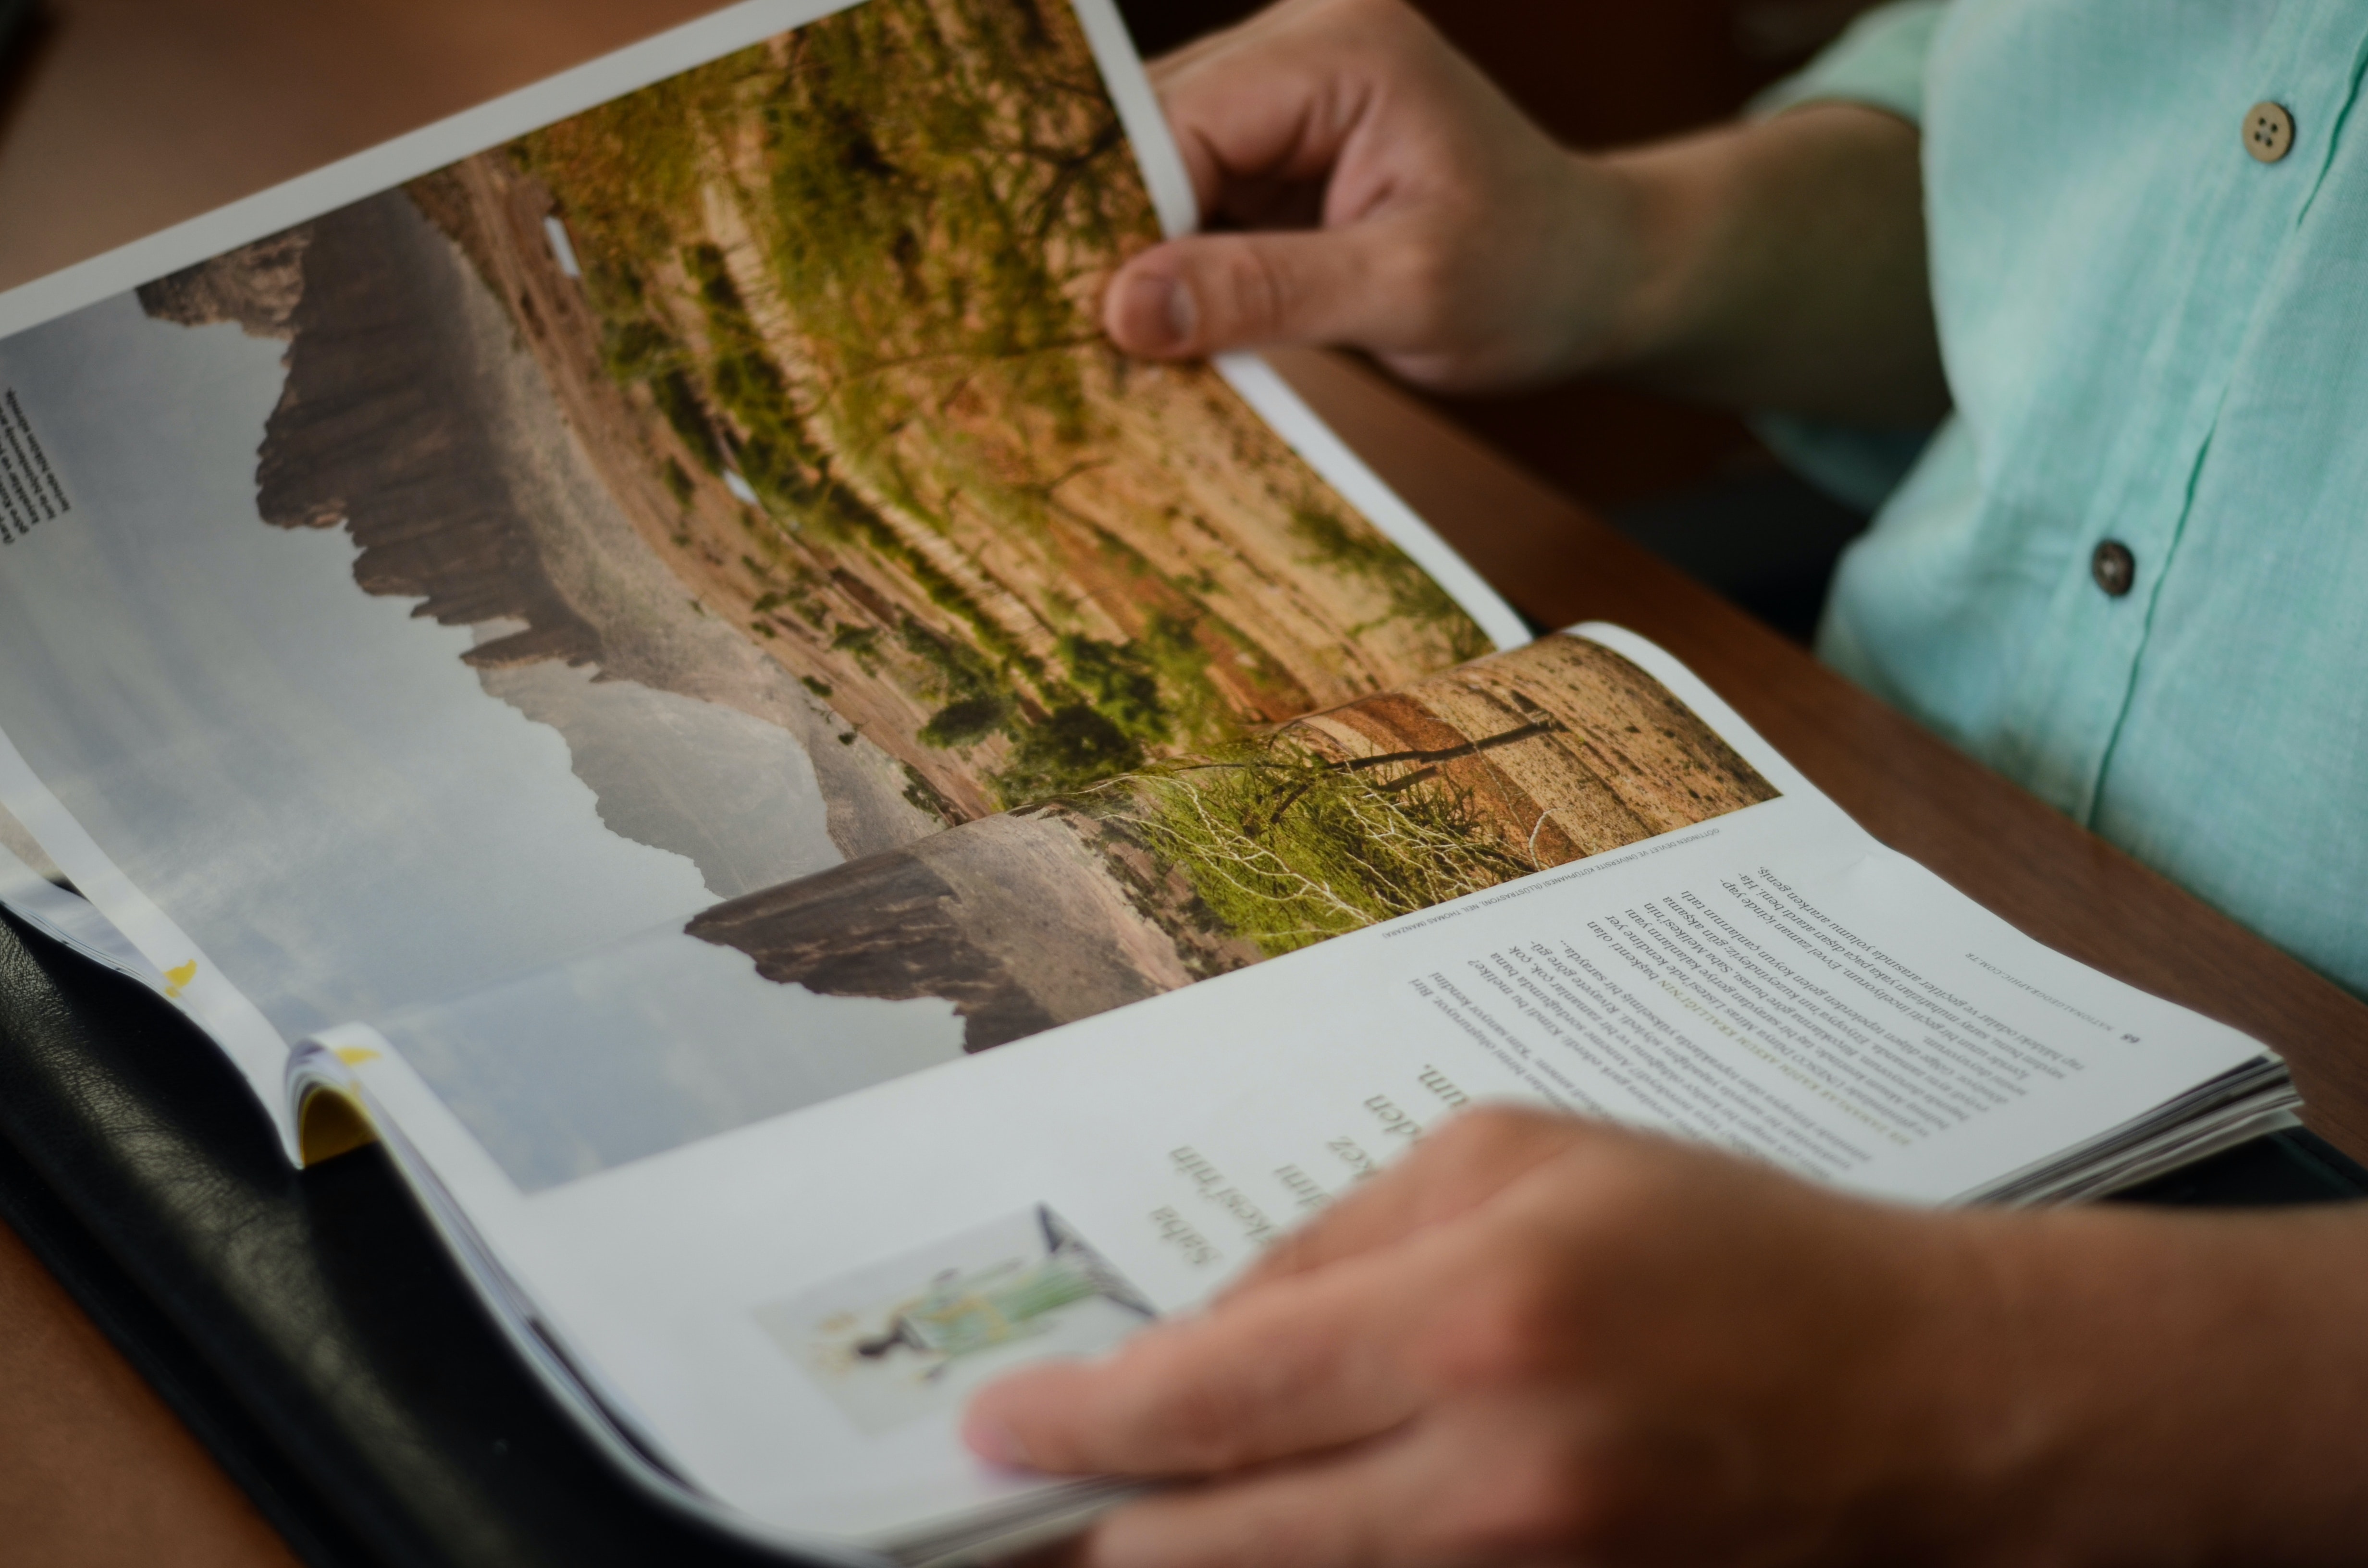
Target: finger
pixel 1489 1484
pixel 1311 1364
pixel 1069 1551
pixel 1312 1515
pixel 1208 293
pixel 1268 99
pixel 1453 1170
pixel 1177 63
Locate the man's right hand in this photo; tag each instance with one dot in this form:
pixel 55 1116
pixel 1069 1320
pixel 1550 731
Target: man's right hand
pixel 1541 1340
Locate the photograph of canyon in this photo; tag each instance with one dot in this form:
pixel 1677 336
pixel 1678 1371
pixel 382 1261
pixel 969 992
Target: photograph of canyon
pixel 752 435
pixel 775 389
pixel 1199 865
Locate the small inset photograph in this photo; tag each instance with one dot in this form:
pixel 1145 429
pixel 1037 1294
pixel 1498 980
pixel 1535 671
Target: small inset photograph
pixel 915 1335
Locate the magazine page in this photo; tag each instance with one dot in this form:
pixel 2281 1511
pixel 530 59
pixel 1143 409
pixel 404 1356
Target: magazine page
pixel 1181 871
pixel 693 473
pixel 1218 991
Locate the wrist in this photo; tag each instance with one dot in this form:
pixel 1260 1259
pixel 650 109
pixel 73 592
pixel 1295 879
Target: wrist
pixel 2022 1396
pixel 1630 292
pixel 2135 1386
pixel 1777 264
pixel 2006 1418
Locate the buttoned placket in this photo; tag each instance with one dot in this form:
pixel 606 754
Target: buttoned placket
pixel 2240 214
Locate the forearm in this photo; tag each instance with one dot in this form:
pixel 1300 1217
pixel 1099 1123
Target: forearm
pixel 2174 1389
pixel 1780 264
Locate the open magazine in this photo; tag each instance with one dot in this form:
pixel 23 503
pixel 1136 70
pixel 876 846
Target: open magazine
pixel 637 646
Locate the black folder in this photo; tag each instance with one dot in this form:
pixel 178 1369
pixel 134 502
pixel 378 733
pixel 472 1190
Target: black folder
pixel 311 1331
pixel 307 1326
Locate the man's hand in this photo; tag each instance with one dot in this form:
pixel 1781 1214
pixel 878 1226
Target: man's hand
pixel 1536 1340
pixel 1541 1340
pixel 1379 192
pixel 1450 235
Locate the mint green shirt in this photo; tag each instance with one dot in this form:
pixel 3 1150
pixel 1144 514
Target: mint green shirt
pixel 2153 338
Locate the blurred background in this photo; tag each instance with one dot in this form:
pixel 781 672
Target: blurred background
pixel 118 117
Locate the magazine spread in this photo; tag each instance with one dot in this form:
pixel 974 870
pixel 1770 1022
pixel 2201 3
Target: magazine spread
pixel 638 647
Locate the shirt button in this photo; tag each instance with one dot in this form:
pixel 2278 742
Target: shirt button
pixel 2269 131
pixel 2114 567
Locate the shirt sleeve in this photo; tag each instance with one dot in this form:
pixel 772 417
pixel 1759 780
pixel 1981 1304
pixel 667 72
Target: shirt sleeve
pixel 1878 62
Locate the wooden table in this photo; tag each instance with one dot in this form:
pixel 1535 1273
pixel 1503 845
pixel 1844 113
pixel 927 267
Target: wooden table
pixel 133 115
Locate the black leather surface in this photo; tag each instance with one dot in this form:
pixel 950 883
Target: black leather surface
pixel 2269 1172
pixel 311 1331
pixel 306 1325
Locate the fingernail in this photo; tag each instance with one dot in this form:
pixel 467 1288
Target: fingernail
pixel 994 1442
pixel 1183 315
pixel 1161 309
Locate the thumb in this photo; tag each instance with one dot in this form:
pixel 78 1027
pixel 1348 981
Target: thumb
pixel 1207 293
pixel 1462 1165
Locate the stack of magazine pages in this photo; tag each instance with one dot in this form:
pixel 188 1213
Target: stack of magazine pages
pixel 638 647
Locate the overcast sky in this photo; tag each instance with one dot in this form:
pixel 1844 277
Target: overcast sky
pixel 305 778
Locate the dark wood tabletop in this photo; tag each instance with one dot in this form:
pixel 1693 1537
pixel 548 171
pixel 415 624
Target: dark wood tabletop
pixel 129 115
